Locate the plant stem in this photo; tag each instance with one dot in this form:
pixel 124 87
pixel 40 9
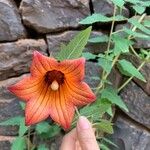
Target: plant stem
pixel 76 109
pixel 28 138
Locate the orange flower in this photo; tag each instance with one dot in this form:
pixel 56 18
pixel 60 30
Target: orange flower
pixel 53 88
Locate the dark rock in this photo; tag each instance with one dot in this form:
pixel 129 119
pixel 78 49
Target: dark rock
pixel 54 42
pixel 145 70
pixel 138 103
pixel 12 109
pixel 11 27
pixel 50 16
pixel 129 136
pixel 94 70
pixel 106 8
pixel 15 57
pixel 5 145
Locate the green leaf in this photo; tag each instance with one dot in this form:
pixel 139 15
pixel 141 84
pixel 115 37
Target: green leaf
pixel 135 34
pixel 105 64
pixel 19 144
pixel 100 18
pixel 135 22
pixel 76 45
pixel 109 111
pixel 118 3
pixel 128 69
pixel 42 147
pixel 109 142
pixel 22 128
pixel 121 44
pixel 139 9
pixel 99 39
pixel 88 55
pixel 96 110
pixel 146 23
pixel 105 126
pixel 110 94
pixel 22 105
pixel 12 121
pixel 104 147
pixel 42 127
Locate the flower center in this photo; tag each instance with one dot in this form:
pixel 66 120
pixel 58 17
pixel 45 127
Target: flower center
pixel 54 78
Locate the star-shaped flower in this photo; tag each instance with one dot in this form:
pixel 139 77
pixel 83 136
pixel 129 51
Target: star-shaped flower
pixel 53 89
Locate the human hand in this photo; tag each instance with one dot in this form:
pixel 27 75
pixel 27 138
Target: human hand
pixel 80 138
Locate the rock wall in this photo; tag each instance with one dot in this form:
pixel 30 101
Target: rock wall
pixel 26 25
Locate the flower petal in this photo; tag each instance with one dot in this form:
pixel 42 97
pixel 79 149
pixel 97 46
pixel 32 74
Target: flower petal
pixel 73 69
pixel 80 93
pixel 26 88
pixel 41 64
pixel 37 109
pixel 61 110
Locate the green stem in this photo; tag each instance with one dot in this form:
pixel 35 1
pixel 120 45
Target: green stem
pixel 28 139
pixel 77 112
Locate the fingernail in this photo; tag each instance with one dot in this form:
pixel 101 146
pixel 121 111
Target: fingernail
pixel 83 123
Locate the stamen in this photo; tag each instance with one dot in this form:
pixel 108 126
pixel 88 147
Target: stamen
pixel 54 85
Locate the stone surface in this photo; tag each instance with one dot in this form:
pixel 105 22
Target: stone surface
pixel 50 16
pixel 106 7
pixel 5 145
pixel 129 136
pixel 15 57
pixel 11 27
pixel 93 70
pixel 138 103
pixel 54 41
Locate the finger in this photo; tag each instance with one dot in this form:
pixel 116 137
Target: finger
pixel 86 135
pixel 69 141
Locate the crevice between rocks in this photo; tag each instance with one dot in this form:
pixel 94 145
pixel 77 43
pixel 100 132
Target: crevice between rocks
pixel 122 114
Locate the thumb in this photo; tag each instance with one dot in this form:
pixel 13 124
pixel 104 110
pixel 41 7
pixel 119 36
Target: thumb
pixel 86 135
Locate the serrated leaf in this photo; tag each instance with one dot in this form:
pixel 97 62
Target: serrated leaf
pixel 88 55
pixel 100 18
pixel 42 127
pixel 22 105
pixel 146 23
pixel 12 121
pixel 96 110
pixel 135 22
pixel 121 44
pixel 139 9
pixel 42 147
pixel 135 34
pixel 22 128
pixel 109 142
pixel 109 111
pixel 118 3
pixel 128 69
pixel 110 94
pixel 105 64
pixel 104 147
pixel 76 45
pixel 105 126
pixel 19 144
pixel 99 39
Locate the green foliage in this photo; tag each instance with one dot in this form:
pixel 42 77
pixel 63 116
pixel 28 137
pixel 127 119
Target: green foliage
pixel 105 126
pixel 111 95
pixel 75 47
pixel 12 121
pixel 128 69
pixel 19 144
pixel 42 147
pixel 99 39
pixel 118 3
pixel 22 128
pixel 100 18
pixel 88 55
